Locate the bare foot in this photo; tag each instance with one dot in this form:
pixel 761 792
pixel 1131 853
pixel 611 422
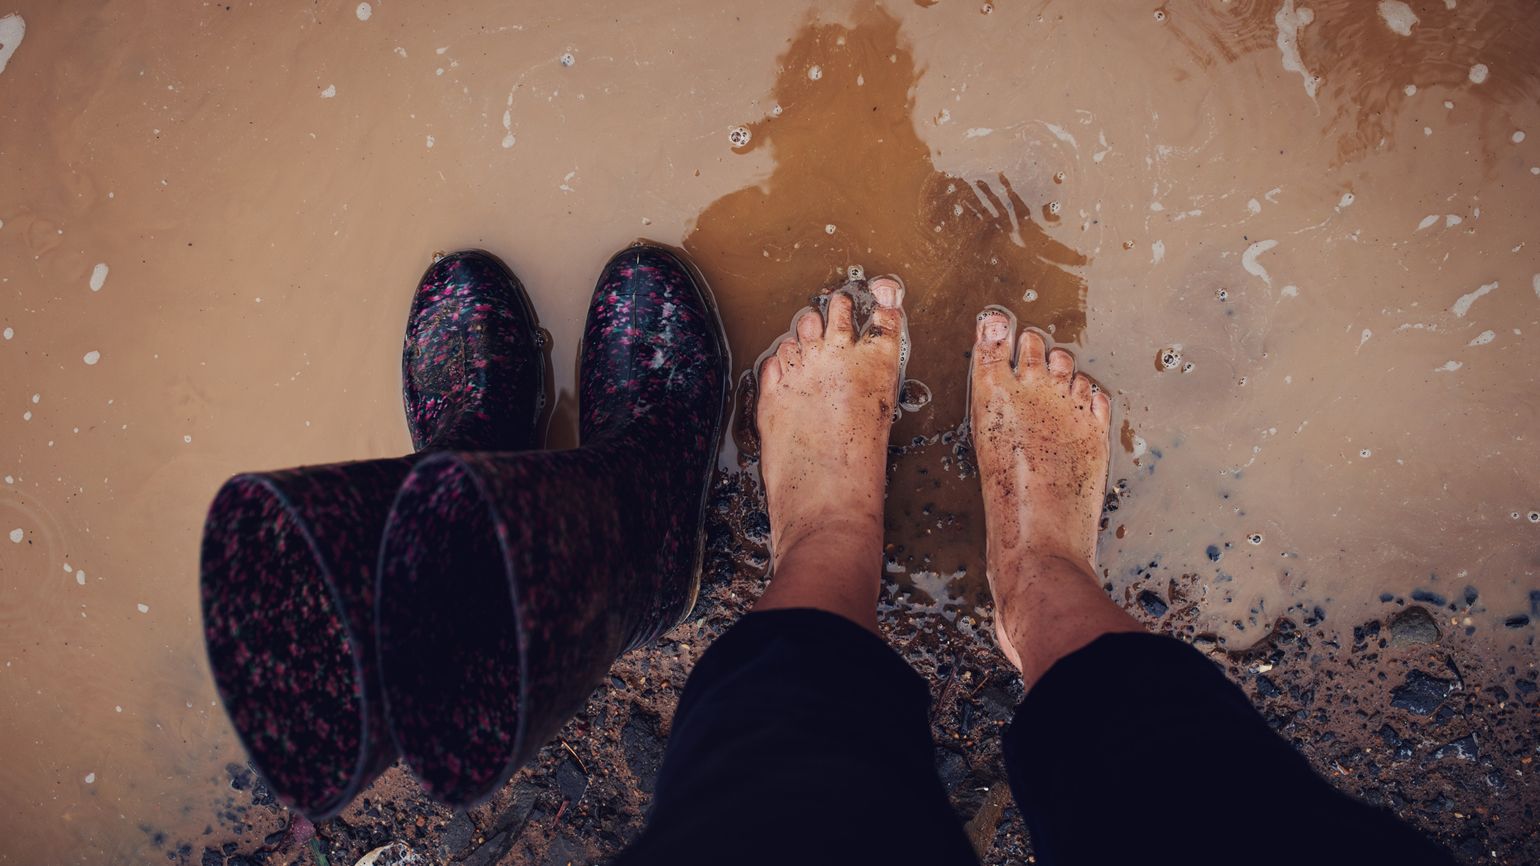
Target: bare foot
pixel 1040 432
pixel 826 400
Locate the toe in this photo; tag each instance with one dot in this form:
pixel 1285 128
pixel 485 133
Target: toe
pixel 887 321
pixel 1031 355
pixel 992 346
pixel 790 355
pixel 1061 365
pixel 1101 407
pixel 1081 390
pixel 770 372
pixel 841 318
pixel 809 326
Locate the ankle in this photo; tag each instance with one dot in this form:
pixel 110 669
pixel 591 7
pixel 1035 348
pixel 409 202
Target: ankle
pixel 1040 560
pixel 828 542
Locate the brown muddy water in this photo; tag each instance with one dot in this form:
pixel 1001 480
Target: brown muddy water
pixel 1296 240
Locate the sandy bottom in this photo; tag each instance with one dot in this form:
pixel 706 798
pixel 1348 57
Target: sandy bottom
pixel 1297 244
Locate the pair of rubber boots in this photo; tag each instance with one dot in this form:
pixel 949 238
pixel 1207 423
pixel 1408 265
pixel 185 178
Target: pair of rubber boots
pixel 456 606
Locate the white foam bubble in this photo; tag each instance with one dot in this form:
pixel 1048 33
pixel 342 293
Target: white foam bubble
pixel 814 73
pixel 1410 90
pixel 430 142
pixel 1289 22
pixel 1250 263
pixel 12 28
pixel 977 132
pixel 1518 136
pixel 8 333
pixel 1449 367
pixel 143 608
pixel 99 276
pixel 90 778
pixel 1483 338
pixel 1398 16
pixel 1428 221
pixel 1478 73
pixel 17 535
pixel 1063 135
pixel 363 11
pixel 80 577
pixel 92 357
pixel 330 91
pixel 1346 201
pixel 1462 306
pixel 1453 220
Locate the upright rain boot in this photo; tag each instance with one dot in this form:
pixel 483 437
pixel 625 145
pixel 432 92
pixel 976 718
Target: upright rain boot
pixel 289 557
pixel 509 583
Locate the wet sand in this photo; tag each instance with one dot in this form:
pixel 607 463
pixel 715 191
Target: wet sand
pixel 1294 240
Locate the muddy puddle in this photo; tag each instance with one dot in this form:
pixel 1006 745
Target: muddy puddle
pixel 1295 240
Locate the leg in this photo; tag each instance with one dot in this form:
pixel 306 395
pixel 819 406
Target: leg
pixel 1104 697
pixel 801 736
pixel 1041 436
pixel 825 412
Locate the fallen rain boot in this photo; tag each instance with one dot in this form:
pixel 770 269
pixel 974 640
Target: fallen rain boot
pixel 509 583
pixel 289 556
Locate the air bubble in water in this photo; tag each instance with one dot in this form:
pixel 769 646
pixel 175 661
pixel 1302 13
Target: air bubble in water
pixel 567 59
pixel 1255 538
pixel 1029 295
pixel 814 73
pixel 739 136
pixel 914 395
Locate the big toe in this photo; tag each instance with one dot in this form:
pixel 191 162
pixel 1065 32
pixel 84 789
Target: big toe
pixel 992 340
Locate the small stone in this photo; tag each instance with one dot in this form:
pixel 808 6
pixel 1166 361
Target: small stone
pixel 1464 748
pixel 1421 693
pixel 1153 604
pixel 1413 626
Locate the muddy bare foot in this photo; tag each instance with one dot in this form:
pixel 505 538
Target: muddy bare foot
pixel 1040 432
pixel 826 400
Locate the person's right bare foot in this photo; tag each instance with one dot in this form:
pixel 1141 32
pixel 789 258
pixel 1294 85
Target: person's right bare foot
pixel 825 410
pixel 1040 431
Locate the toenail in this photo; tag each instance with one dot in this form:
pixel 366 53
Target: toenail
pixel 997 330
pixel 886 294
